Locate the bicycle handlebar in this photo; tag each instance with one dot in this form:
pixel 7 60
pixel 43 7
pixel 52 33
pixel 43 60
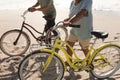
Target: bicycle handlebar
pixel 24 13
pixel 75 26
pixel 59 26
pixel 71 25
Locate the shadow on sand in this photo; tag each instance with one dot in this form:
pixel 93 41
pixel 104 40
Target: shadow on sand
pixel 9 71
pixel 9 68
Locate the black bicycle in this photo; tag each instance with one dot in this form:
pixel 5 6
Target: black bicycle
pixel 16 42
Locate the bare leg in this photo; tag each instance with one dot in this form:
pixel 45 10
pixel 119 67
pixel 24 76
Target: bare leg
pixel 85 51
pixel 72 44
pixel 68 49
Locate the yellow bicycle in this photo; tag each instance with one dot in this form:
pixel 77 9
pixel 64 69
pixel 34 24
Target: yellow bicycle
pixel 49 64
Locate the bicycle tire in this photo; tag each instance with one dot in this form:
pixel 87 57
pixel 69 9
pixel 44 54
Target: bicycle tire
pixel 111 53
pixel 7 43
pixel 63 33
pixel 31 66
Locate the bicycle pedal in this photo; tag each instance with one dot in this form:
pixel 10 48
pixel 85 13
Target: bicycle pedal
pixel 88 68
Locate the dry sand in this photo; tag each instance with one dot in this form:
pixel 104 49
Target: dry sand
pixel 108 21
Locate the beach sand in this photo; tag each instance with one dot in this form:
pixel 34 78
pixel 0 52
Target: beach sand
pixel 108 21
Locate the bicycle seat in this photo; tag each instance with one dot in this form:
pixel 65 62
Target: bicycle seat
pixel 99 34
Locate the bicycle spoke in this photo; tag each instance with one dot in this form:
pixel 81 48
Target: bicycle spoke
pixel 33 65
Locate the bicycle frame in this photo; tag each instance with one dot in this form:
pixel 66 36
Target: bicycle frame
pixel 74 59
pixel 26 25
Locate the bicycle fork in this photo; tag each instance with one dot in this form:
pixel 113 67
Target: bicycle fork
pixel 47 63
pixel 15 42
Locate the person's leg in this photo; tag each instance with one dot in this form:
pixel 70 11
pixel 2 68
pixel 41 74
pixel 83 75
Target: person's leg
pixel 84 45
pixel 49 24
pixel 85 51
pixel 71 41
pixel 68 49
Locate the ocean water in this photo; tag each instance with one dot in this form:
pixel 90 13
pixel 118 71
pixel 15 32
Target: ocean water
pixel 107 5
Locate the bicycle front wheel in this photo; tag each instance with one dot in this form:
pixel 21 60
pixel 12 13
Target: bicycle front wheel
pixel 32 65
pixel 63 33
pixel 107 61
pixel 7 43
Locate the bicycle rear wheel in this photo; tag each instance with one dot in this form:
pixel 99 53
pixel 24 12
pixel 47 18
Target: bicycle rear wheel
pixel 107 61
pixel 32 65
pixel 61 33
pixel 7 43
